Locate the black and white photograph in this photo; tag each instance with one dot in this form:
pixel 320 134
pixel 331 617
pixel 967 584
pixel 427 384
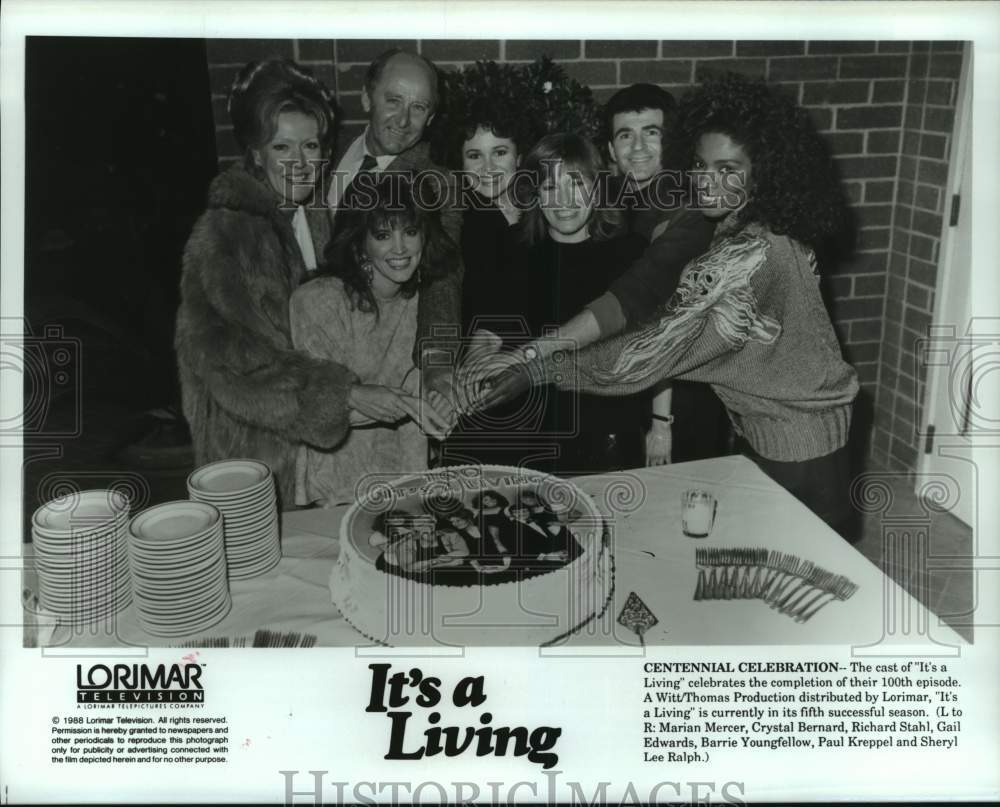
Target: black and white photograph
pixel 593 408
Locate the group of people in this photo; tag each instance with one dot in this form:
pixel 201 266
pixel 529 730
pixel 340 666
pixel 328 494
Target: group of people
pixel 497 540
pixel 536 303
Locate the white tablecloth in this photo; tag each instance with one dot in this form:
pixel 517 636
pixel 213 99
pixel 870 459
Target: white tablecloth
pixel 653 558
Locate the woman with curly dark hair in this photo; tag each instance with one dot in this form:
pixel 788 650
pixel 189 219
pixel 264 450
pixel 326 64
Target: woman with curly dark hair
pixel 482 136
pixel 748 317
pixel 361 312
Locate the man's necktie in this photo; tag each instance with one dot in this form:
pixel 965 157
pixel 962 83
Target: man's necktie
pixel 350 194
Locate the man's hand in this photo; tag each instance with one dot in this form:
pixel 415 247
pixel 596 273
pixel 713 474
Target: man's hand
pixel 659 442
pixel 482 360
pixel 514 380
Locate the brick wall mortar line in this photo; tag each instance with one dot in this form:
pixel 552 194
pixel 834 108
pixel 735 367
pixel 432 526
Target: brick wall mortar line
pixel 895 210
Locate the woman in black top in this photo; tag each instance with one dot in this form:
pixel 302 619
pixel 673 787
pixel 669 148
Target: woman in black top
pixel 575 247
pixel 482 137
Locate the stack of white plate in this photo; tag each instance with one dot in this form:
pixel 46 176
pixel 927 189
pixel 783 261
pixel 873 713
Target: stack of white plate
pixel 80 555
pixel 178 559
pixel 243 490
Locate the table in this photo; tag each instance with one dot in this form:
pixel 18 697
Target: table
pixel 653 559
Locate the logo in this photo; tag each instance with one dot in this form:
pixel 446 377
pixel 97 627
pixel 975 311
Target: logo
pixel 139 683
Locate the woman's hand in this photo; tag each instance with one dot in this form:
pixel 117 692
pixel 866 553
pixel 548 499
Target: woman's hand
pixel 433 414
pixel 378 403
pixel 440 379
pixel 659 442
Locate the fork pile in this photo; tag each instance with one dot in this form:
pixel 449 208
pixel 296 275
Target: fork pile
pixel 788 584
pixel 262 638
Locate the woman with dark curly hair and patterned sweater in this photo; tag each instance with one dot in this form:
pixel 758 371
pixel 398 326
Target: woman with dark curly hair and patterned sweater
pixel 747 317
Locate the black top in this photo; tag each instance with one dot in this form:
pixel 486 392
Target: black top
pixel 534 289
pixel 489 246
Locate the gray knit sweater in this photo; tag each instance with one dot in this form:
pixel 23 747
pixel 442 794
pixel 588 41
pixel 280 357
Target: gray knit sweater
pixel 748 319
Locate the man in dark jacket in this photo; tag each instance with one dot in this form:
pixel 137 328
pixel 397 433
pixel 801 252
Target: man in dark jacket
pixel 637 119
pixel 400 96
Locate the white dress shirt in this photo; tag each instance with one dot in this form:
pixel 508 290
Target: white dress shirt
pixel 349 166
pixel 303 237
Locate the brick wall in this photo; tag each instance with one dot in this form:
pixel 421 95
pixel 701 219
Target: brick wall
pixel 921 205
pixel 863 95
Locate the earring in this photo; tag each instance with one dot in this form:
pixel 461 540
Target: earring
pixel 368 268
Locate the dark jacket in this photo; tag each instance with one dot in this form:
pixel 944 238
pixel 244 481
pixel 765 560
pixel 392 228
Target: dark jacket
pixel 245 391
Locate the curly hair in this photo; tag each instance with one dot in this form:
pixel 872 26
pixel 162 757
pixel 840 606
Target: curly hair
pixel 395 201
pixel 483 96
pixel 576 153
pixel 794 185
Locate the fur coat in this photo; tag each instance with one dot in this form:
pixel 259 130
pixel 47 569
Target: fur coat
pixel 245 391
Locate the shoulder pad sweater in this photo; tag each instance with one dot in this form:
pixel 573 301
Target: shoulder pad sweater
pixel 748 319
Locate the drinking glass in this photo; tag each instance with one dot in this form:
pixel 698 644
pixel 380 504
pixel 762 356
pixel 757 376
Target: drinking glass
pixel 698 513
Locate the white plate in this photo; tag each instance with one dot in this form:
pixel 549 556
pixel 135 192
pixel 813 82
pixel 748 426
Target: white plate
pixel 97 558
pixel 191 608
pixel 261 493
pixel 174 521
pixel 63 604
pixel 176 564
pixel 182 627
pixel 228 476
pixel 208 579
pixel 172 575
pixel 245 517
pixel 177 601
pixel 180 551
pixel 88 618
pixel 69 541
pixel 188 630
pixel 104 590
pixel 80 511
pixel 190 612
pixel 183 551
pixel 102 566
pixel 77 580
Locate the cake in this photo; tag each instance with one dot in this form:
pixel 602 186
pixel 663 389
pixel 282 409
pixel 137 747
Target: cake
pixel 480 555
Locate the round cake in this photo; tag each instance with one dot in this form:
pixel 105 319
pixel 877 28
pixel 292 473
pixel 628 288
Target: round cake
pixel 472 555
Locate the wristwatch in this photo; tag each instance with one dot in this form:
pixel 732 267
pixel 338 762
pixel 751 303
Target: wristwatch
pixel 668 419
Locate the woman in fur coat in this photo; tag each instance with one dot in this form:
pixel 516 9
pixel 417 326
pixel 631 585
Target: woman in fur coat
pixel 246 391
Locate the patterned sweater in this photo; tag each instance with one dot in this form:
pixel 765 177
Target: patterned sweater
pixel 748 319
